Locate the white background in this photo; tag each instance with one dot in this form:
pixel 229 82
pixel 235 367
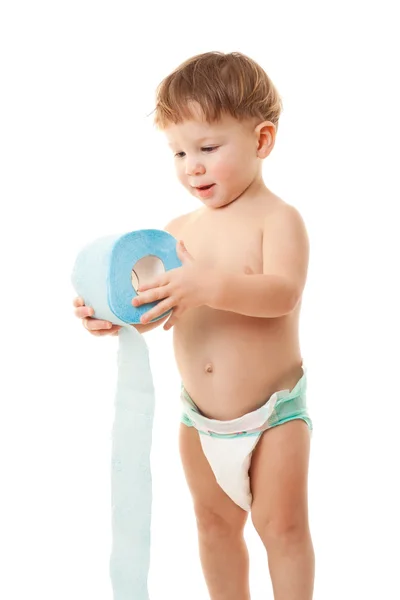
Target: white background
pixel 81 159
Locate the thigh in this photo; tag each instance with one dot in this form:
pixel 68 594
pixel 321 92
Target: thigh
pixel 279 477
pixel 212 506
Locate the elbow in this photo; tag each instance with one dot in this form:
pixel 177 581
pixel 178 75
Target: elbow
pixel 294 299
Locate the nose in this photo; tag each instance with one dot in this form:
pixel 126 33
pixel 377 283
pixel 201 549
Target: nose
pixel 194 167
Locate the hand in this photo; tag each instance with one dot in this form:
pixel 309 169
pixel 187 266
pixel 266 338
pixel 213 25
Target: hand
pixel 96 327
pixel 181 289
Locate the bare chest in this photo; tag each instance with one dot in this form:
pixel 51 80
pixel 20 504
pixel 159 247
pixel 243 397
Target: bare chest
pixel 235 246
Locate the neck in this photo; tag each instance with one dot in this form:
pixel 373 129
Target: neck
pixel 256 188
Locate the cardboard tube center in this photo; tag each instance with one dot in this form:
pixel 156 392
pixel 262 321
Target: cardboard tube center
pixel 145 270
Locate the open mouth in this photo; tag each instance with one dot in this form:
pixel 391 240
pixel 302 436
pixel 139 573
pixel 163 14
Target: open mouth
pixel 205 187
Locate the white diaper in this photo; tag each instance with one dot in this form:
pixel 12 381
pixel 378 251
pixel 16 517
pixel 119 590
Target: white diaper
pixel 230 461
pixel 228 445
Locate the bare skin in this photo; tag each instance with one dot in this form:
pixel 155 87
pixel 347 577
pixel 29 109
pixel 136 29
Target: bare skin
pixel 230 365
pixel 217 350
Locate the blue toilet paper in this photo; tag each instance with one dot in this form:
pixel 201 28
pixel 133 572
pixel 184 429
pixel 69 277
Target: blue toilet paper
pixel 105 275
pixel 105 268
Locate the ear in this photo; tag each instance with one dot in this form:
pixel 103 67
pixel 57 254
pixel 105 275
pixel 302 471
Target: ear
pixel 266 133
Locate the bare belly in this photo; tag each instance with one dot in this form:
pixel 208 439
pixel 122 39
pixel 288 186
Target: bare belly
pixel 231 364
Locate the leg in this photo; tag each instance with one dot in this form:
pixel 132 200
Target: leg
pixel 220 524
pixel 279 474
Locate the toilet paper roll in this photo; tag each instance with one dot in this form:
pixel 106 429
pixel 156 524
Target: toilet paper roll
pixel 108 272
pixel 106 275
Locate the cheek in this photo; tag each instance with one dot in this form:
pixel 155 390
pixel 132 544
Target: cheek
pixel 180 173
pixel 230 169
pixel 224 170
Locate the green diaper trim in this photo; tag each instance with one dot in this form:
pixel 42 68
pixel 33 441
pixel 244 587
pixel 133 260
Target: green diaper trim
pixel 287 408
pixel 186 421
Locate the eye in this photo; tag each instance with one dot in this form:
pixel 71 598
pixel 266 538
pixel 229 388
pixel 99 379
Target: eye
pixel 206 149
pixel 209 148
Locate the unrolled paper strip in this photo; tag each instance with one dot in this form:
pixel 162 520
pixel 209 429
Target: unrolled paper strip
pixel 106 275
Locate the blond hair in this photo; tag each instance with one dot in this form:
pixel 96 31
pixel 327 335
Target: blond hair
pixel 220 83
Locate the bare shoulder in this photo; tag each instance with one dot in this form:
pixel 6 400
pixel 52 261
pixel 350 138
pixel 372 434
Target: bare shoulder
pixel 285 217
pixel 176 226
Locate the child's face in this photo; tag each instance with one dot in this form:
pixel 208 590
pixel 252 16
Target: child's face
pixel 222 155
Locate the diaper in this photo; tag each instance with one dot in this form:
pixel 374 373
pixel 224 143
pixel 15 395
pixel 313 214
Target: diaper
pixel 228 445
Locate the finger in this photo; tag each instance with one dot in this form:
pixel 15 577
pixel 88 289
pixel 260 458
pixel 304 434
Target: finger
pixel 78 302
pixel 96 324
pixel 150 285
pixel 158 310
pixel 160 281
pixel 102 332
pixel 152 295
pixel 171 321
pixel 84 311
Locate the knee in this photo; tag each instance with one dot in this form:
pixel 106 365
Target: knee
pixel 281 528
pixel 210 523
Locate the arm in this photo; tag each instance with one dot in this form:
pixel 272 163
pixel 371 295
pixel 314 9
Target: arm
pixel 277 291
pixel 254 295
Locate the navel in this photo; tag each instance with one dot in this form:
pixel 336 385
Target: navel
pixel 208 368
